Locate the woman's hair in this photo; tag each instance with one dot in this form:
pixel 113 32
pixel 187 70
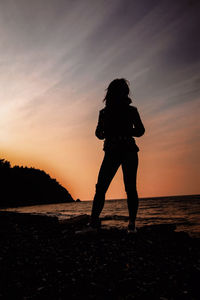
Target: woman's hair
pixel 118 92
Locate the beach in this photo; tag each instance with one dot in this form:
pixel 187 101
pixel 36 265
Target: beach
pixel 41 257
pixel 184 211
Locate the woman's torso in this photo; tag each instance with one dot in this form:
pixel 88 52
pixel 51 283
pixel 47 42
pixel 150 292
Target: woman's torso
pixel 118 123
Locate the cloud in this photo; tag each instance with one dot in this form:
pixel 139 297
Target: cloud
pixel 57 58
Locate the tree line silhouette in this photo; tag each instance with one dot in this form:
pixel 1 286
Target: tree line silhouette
pixel 29 186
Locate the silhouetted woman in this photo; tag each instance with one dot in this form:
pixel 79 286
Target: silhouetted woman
pixel 118 124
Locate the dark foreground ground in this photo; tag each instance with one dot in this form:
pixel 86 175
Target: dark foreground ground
pixel 42 259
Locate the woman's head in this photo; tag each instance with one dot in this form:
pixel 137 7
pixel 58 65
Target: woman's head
pixel 118 92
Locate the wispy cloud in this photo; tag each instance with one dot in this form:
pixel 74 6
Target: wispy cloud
pixel 57 58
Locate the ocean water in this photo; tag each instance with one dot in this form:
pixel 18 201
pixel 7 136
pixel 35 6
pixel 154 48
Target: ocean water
pixel 184 211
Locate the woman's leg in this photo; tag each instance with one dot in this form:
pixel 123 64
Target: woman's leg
pixel 129 168
pixel 110 164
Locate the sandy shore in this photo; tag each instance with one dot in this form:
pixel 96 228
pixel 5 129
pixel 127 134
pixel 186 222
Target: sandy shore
pixel 43 259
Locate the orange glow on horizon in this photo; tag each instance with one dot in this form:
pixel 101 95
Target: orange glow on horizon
pixel 56 63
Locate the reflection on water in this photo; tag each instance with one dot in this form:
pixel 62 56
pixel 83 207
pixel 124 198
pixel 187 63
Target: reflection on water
pixel 181 210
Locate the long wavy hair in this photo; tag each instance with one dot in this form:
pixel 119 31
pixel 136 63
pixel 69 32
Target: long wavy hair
pixel 117 93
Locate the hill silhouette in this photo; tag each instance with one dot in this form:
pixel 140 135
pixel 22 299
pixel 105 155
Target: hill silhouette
pixel 21 186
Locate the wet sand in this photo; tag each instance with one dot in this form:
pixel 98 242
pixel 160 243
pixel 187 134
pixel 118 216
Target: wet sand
pixel 41 258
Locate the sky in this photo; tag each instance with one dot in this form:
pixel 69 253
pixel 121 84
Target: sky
pixel 57 57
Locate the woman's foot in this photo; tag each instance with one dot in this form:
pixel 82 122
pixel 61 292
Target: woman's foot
pixel 131 227
pixel 95 223
pixel 92 227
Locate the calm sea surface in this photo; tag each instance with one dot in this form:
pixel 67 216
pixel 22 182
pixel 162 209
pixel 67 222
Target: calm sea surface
pixel 184 211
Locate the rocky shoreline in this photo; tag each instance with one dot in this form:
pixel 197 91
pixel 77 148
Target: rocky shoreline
pixel 41 258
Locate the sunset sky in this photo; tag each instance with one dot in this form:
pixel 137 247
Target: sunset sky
pixel 57 57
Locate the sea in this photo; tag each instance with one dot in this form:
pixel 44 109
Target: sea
pixel 184 211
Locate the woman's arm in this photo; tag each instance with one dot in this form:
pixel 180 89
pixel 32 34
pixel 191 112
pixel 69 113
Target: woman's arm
pixel 99 132
pixel 138 129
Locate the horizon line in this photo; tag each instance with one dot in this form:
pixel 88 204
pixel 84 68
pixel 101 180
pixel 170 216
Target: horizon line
pixel 154 197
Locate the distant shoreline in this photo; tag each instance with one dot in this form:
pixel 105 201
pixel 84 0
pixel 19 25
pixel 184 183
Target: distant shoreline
pixel 35 204
pixel 157 197
pixel 122 199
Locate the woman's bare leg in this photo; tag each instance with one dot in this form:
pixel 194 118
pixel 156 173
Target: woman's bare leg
pixel 129 168
pixel 109 167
